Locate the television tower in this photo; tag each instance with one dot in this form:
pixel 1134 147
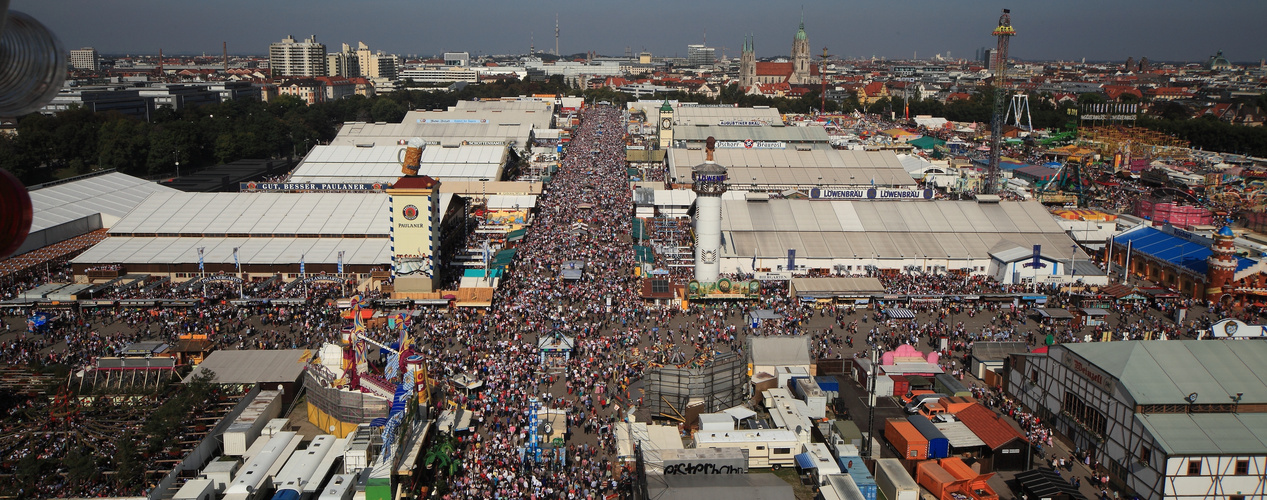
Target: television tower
pixel 556 33
pixel 1004 33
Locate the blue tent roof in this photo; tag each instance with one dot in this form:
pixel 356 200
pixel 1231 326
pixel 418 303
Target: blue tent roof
pixel 1173 249
pixel 1226 231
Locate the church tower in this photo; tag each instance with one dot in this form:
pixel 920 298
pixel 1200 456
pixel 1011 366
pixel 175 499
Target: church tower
pixel 747 65
pixel 800 56
pixel 1221 265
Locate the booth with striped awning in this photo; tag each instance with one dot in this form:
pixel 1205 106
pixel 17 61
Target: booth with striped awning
pixel 899 313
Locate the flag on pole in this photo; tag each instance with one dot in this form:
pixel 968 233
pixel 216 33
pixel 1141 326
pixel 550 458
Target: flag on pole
pixel 200 267
pixel 301 264
pixel 236 263
pixel 340 261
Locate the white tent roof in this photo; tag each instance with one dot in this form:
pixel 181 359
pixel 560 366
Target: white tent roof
pixel 111 194
pixel 273 251
pixel 674 197
pixel 222 214
pixel 509 201
pixel 345 163
pixel 886 229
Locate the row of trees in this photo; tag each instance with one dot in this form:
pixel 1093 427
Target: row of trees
pixel 78 141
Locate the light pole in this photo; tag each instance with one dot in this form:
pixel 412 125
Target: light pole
pixel 176 157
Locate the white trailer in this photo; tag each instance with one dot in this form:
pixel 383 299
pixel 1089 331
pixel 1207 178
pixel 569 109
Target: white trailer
pixel 773 448
pixel 220 471
pixel 313 488
pixel 253 478
pixel 893 481
pixel 247 427
pixel 303 464
pixel 341 487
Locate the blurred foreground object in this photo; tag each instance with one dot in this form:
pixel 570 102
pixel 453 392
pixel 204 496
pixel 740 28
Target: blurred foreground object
pixel 15 213
pixel 32 63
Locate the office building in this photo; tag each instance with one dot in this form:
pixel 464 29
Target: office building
pixel 291 58
pixel 86 59
pixel 699 55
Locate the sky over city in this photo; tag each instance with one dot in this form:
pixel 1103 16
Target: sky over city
pixel 1162 30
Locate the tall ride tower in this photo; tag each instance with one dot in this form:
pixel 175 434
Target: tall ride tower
pixel 1221 272
pixel 1004 33
pixel 709 182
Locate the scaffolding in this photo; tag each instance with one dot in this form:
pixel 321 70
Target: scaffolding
pixel 343 405
pixel 670 236
pixel 718 385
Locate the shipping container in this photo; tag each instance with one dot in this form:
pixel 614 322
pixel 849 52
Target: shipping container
pixel 862 478
pixel 938 445
pixel 900 385
pixel 893 481
pixel 905 439
pixel 841 487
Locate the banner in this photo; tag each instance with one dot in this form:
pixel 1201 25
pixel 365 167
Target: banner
pixel 870 194
pixel 251 187
pixel 751 144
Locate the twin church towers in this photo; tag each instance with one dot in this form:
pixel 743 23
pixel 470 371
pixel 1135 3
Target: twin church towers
pixel 798 72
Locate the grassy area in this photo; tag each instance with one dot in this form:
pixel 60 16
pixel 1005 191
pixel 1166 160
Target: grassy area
pixel 788 474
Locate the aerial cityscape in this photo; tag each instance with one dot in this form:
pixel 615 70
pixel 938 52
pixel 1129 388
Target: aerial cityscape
pixel 518 255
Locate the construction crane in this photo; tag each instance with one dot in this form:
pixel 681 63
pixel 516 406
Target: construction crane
pixel 1004 33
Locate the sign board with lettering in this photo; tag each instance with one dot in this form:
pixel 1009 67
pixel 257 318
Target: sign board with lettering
pixel 872 193
pixel 252 187
pixel 773 276
pixel 699 461
pixel 450 120
pixel 741 123
pixel 1089 371
pixel 751 144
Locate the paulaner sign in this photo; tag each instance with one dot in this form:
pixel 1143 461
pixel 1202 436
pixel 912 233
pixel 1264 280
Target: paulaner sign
pixel 311 186
pixel 870 194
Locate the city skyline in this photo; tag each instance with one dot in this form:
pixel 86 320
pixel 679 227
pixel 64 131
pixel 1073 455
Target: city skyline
pixel 920 29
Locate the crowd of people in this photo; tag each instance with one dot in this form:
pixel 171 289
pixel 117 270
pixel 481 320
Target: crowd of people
pixel 583 215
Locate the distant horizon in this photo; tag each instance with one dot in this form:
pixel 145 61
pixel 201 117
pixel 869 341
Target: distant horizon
pixel 1162 30
pixel 759 57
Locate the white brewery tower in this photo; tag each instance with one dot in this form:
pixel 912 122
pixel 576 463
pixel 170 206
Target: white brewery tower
pixel 709 182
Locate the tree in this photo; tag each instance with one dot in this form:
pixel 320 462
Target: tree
pixel 387 110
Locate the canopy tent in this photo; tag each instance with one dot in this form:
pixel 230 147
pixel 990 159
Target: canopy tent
pixel 1046 483
pixel 899 313
pixel 1054 313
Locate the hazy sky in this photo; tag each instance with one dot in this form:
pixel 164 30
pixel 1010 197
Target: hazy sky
pixel 1066 29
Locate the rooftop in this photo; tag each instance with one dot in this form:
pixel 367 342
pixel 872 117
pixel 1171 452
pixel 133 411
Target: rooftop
pixel 1167 372
pixel 254 366
pixel 1208 433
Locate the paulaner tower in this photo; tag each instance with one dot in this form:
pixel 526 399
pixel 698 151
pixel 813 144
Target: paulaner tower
pixel 709 182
